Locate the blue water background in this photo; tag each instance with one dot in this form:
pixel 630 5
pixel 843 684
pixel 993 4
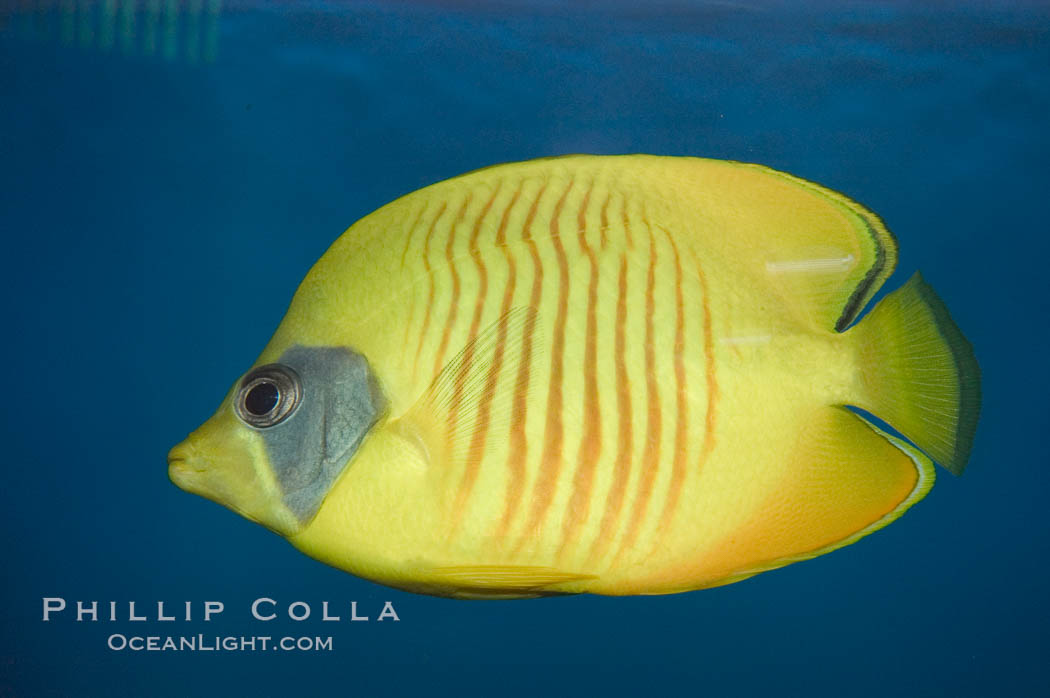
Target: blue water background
pixel 159 205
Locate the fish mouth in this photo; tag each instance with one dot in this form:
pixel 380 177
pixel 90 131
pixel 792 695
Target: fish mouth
pixel 180 474
pixel 180 452
pixel 183 464
pixel 182 467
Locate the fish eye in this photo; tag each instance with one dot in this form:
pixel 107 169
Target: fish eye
pixel 268 395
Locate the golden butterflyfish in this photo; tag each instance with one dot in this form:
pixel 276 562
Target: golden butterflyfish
pixel 615 375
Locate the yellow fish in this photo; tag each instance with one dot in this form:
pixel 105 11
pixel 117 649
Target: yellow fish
pixel 615 375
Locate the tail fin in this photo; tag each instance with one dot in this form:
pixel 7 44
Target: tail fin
pixel 919 373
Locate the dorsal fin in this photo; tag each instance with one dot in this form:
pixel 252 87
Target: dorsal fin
pixel 824 252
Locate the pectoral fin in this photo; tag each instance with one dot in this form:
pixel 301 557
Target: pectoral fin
pixel 471 404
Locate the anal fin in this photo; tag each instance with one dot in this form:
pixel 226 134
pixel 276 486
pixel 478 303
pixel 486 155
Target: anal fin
pixel 844 479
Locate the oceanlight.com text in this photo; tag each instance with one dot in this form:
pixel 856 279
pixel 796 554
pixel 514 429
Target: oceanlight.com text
pixel 217 643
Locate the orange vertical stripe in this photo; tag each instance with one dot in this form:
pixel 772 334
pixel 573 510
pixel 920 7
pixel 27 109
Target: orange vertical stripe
pixel 411 233
pixel 651 451
pixel 678 468
pixel 518 445
pixel 627 225
pixel 475 450
pixel 711 419
pixel 410 317
pixel 430 282
pixel 439 360
pixel 553 433
pixel 591 440
pixel 625 438
pixel 605 220
pixel 516 467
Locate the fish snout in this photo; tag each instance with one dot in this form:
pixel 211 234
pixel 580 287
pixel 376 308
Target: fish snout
pixel 183 464
pixel 181 452
pixel 220 463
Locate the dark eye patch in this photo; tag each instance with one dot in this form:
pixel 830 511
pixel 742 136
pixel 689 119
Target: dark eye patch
pixel 335 401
